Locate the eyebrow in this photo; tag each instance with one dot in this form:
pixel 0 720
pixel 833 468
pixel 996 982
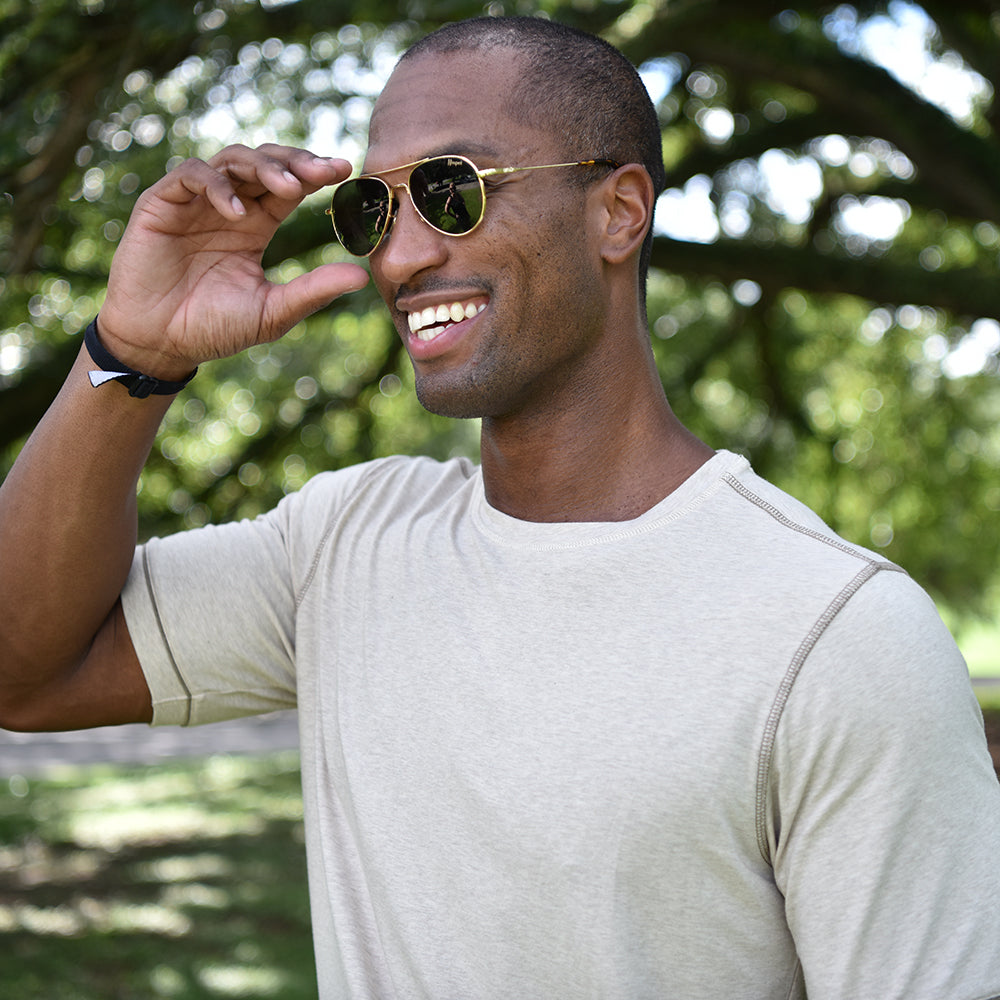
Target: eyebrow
pixel 470 149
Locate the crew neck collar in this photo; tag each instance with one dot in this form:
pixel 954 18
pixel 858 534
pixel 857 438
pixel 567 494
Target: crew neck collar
pixel 692 492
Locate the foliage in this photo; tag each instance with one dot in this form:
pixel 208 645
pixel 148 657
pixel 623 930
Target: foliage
pixel 833 314
pixel 183 880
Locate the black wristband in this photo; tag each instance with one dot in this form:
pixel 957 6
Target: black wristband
pixel 112 369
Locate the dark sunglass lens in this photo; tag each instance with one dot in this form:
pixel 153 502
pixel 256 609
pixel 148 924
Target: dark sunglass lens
pixel 447 193
pixel 360 213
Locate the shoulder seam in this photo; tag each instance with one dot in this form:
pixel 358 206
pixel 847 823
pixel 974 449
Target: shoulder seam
pixel 786 521
pixel 785 689
pixel 766 755
pixel 148 576
pixel 374 469
pixel 872 566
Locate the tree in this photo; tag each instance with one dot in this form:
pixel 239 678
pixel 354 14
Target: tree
pixel 834 315
pixel 859 370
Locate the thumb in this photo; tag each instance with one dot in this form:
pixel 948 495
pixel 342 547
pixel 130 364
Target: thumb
pixel 291 303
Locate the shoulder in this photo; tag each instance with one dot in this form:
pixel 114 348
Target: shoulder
pixel 756 540
pixel 887 642
pixel 872 626
pixel 376 491
pixel 878 618
pixel 772 513
pixel 394 477
pixel 881 681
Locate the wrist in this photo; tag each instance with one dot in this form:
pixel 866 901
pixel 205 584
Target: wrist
pixel 139 384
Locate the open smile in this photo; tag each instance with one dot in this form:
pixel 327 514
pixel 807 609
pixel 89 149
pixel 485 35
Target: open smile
pixel 430 322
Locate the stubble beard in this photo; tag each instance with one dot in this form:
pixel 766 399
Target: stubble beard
pixel 486 391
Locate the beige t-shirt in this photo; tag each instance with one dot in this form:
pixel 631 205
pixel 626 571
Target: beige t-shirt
pixel 712 752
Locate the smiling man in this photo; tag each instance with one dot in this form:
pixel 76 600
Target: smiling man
pixel 608 716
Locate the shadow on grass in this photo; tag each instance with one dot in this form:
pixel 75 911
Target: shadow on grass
pixel 184 881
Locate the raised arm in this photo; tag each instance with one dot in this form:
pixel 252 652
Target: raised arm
pixel 186 286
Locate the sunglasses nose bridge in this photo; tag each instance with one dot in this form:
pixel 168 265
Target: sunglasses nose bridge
pixel 394 197
pixel 391 210
pixel 395 200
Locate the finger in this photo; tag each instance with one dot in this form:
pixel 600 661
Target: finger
pixel 291 303
pixel 196 179
pixel 313 171
pixel 285 172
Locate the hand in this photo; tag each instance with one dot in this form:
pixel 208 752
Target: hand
pixel 186 284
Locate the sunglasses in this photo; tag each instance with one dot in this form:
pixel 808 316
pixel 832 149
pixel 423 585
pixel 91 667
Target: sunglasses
pixel 447 192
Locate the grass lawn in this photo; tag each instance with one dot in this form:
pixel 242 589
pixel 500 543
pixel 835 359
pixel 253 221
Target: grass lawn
pixel 184 880
pixel 980 645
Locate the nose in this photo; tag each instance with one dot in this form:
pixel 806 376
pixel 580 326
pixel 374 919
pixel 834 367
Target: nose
pixel 410 245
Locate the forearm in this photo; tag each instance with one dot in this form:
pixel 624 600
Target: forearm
pixel 185 286
pixel 68 526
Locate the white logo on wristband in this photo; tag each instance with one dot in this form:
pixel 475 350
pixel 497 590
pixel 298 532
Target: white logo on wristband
pixel 99 378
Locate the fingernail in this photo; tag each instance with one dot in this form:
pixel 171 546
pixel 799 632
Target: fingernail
pixel 238 206
pixel 289 176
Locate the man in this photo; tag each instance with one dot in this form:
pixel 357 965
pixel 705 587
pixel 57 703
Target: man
pixel 606 717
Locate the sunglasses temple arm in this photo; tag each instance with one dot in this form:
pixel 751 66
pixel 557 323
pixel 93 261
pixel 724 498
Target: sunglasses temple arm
pixel 494 171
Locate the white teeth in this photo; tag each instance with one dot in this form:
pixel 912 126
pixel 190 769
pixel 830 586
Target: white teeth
pixel 429 332
pixel 427 323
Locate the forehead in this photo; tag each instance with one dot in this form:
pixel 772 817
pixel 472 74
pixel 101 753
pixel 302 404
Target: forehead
pixel 450 102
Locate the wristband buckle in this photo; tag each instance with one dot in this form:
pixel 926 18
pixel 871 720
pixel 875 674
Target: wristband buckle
pixel 139 385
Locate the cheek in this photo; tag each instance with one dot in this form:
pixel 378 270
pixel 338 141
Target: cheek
pixel 567 264
pixel 553 247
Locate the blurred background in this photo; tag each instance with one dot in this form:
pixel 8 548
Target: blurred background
pixel 824 299
pixel 824 296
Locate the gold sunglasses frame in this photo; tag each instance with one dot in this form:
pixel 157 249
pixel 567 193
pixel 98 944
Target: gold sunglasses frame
pixel 480 174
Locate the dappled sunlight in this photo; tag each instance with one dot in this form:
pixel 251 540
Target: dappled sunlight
pixel 179 880
pixel 155 826
pixel 87 915
pixel 181 868
pixel 240 981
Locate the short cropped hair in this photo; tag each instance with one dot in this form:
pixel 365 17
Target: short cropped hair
pixel 574 83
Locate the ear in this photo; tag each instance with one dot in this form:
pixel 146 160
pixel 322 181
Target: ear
pixel 628 201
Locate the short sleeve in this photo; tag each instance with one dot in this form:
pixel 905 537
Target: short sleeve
pixel 884 821
pixel 211 615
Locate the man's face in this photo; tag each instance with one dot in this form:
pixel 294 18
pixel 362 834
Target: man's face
pixel 522 292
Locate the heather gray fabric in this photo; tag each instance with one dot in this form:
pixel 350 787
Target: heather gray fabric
pixel 712 752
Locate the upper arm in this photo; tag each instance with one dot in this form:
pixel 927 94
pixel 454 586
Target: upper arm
pixel 887 807
pixel 212 616
pixel 106 687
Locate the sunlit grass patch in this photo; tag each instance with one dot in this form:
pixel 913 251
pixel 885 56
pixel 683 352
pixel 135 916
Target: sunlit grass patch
pixel 181 880
pixel 980 645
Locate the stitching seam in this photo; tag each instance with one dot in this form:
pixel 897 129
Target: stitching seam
pixel 785 689
pixel 147 573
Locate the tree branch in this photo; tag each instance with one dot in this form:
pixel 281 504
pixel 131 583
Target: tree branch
pixel 963 291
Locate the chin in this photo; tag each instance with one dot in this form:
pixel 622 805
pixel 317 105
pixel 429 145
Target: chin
pixel 457 405
pixel 493 398
pixel 489 391
pixel 461 399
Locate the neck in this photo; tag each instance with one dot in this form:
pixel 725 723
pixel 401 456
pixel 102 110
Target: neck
pixel 603 459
